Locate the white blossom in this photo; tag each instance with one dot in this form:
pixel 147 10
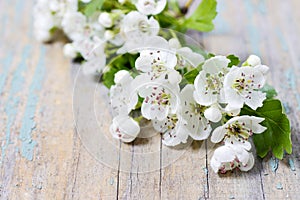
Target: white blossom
pixel 155 58
pixel 198 126
pixel 73 24
pixel 48 16
pixel 92 50
pixel 229 157
pixel 135 28
pixel 151 7
pixel 209 82
pixel 124 128
pixel 173 128
pixel 123 97
pixel 160 100
pixel 242 85
pixel 186 57
pixel 237 131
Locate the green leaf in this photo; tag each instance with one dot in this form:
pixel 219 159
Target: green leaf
pixel 210 55
pixel 120 62
pixel 189 77
pixel 203 16
pixel 108 77
pixel 277 137
pixel 234 60
pixel 90 8
pixel 269 90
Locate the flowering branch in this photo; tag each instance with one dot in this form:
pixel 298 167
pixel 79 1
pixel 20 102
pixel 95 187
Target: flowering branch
pixel 183 91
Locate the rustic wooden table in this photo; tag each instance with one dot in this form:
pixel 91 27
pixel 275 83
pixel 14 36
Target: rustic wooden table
pixel 42 157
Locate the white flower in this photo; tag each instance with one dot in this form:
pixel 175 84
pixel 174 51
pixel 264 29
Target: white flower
pixel 237 130
pixel 151 7
pixel 155 58
pixel 193 113
pixel 44 21
pixel 160 100
pixel 86 1
pixel 73 24
pixel 69 50
pixel 123 97
pixel 186 57
pixel 228 157
pixel 92 50
pixel 136 25
pixel 209 82
pixel 173 128
pixel 105 19
pixel 242 84
pixel 124 128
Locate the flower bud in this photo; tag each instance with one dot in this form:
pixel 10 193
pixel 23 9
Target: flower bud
pixel 213 114
pixel 124 128
pixel 252 61
pixel 69 51
pixel 105 19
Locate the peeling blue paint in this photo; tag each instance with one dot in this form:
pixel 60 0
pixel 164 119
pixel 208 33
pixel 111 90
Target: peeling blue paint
pixel 279 186
pixel 19 9
pixel 291 164
pixel 11 107
pixel 111 181
pixel 5 69
pixel 254 33
pixel 28 123
pixel 282 41
pixel 205 170
pixel 298 101
pixel 231 197
pixel 274 162
pixel 287 108
pixel 262 7
pixel 290 76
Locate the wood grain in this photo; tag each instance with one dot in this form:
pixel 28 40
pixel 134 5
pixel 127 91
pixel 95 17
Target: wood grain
pixel 44 157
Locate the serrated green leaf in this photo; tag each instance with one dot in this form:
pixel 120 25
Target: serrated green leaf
pixel 234 60
pixel 270 91
pixel 203 16
pixel 108 77
pixel 277 137
pixel 92 7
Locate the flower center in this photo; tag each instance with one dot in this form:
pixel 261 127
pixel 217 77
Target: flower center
pixel 245 84
pixel 239 131
pixel 158 97
pixel 214 82
pixel 143 26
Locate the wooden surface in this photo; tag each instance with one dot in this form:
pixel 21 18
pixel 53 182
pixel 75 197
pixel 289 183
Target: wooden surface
pixel 42 156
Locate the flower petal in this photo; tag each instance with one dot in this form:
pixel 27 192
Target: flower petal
pixel 218 134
